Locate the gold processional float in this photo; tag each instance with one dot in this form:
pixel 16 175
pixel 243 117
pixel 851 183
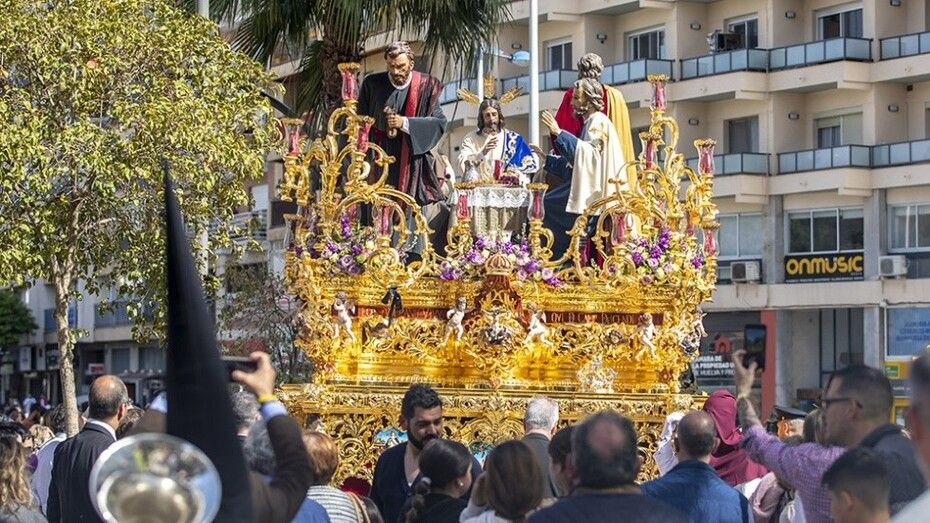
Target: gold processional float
pixel 492 323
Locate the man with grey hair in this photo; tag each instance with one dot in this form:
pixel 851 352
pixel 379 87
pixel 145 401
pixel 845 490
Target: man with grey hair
pixel 409 123
pixel 539 424
pixel 588 164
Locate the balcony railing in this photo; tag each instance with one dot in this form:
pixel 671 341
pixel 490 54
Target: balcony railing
pixel 635 71
pixel 118 315
pixel 252 224
pixel 736 163
pixel 904 45
pixel 825 158
pixel 49 319
pixel 557 79
pixel 821 51
pixel 449 90
pixel 901 153
pixel 726 62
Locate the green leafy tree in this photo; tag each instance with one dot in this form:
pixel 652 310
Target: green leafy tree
pixel 15 320
pixel 323 33
pixel 95 95
pixel 258 311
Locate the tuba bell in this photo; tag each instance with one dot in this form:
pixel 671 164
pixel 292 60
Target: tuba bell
pixel 155 478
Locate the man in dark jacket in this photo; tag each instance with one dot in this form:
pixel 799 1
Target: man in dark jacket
pixel 69 490
pixel 539 422
pixel 606 462
pixel 857 406
pixel 692 486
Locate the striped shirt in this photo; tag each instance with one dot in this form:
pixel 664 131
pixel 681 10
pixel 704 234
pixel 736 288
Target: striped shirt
pixel 337 503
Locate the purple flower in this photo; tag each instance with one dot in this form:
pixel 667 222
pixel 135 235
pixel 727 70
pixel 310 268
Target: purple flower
pixel 480 244
pixel 547 274
pixel 697 262
pixel 531 266
pixel 355 269
pixel 298 250
pixel 506 247
pixel 356 249
pixel 637 258
pixel 652 262
pixel 553 281
pixel 346 261
pixel 655 252
pixel 521 274
pixel 646 280
pixel 667 268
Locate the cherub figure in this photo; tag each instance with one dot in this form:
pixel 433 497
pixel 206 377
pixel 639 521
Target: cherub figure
pixel 537 329
pixel 343 308
pixel 454 318
pixel 645 335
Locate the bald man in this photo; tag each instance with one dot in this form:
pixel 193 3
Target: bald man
pixel 605 462
pixel 692 486
pixel 69 491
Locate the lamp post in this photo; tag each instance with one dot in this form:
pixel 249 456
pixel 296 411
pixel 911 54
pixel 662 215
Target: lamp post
pixel 534 72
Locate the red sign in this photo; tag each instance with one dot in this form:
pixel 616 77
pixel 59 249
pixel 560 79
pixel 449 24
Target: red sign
pixel 95 369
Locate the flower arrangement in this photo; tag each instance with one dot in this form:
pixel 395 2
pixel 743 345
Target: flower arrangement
pixel 350 251
pixel 528 268
pixel 653 258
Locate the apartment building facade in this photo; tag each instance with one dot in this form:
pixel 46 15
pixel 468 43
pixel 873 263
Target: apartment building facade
pixel 821 113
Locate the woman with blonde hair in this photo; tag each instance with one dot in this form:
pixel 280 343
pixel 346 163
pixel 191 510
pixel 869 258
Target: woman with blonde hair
pixel 341 507
pixel 15 497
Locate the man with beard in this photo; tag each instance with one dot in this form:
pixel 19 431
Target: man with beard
pixel 493 142
pixel 408 124
pixel 587 163
pixel 856 405
pixel 398 471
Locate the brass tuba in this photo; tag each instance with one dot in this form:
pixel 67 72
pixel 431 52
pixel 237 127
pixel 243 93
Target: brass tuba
pixel 155 478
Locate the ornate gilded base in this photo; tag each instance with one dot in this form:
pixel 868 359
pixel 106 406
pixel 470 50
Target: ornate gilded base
pixel 363 419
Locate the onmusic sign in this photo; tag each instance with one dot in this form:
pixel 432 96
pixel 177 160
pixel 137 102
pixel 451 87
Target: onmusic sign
pixel 824 267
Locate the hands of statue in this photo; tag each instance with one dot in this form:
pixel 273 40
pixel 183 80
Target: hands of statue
pixel 549 121
pixel 395 121
pixel 538 150
pixel 489 145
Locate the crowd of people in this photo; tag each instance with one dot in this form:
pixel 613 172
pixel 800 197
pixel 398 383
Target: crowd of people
pixel 845 463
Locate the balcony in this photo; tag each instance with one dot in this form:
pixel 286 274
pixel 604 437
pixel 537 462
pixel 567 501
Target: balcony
pixel 736 163
pixel 449 90
pixel 819 52
pixel 249 225
pixel 825 158
pixel 902 153
pixel 904 45
pixel 555 80
pixel 118 315
pixel 635 71
pixel 726 62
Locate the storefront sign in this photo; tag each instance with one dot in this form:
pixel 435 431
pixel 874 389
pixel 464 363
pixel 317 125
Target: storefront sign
pixel 95 369
pixel 908 331
pixel 713 368
pixel 897 375
pixel 824 267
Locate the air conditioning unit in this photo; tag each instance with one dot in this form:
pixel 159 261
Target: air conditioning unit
pixel 720 41
pixel 745 272
pixel 894 266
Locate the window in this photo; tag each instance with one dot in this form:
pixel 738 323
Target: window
pixel 748 29
pixel 834 131
pixel 910 227
pixel 647 44
pixel 559 55
pixel 119 361
pixel 740 235
pixel 151 358
pixel 839 23
pixel 259 197
pixel 827 230
pixel 927 122
pixel 743 135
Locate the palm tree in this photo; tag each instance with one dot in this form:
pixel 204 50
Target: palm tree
pixel 326 32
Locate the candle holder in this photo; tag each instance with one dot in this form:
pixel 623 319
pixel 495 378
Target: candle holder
pixel 705 156
pixel 650 141
pixel 658 82
pixel 348 71
pixel 540 238
pixel 364 130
